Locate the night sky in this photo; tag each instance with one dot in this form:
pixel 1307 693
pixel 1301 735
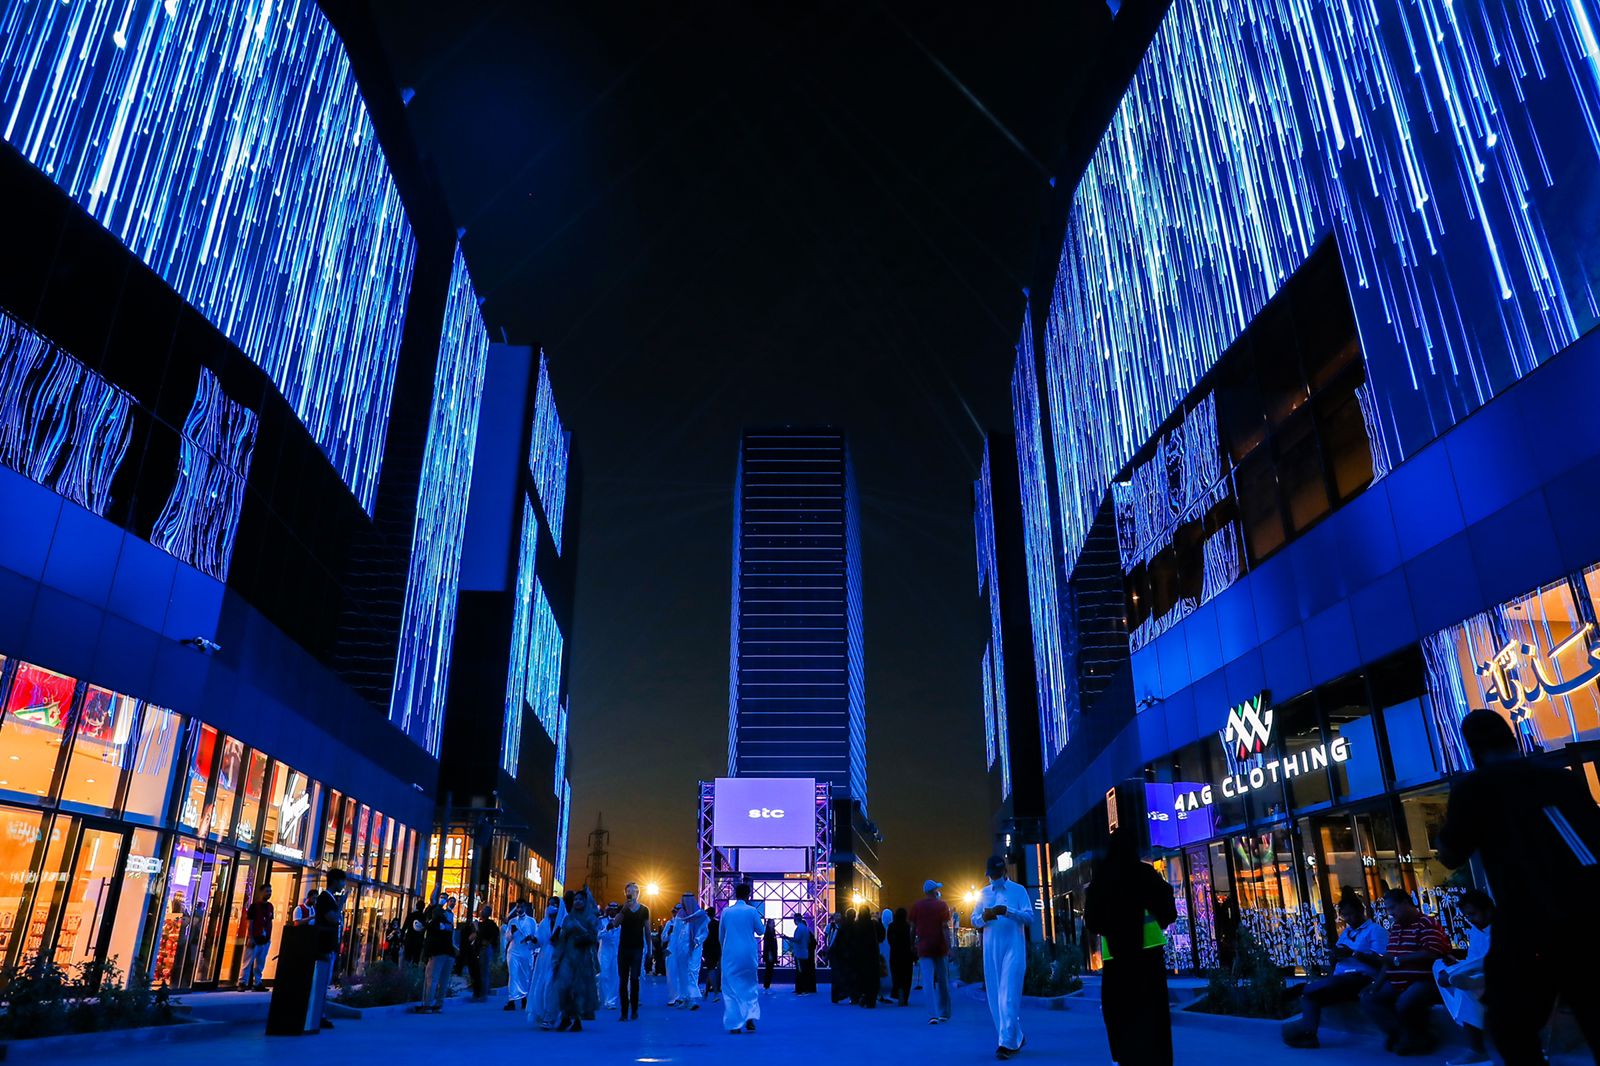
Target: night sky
pixel 714 216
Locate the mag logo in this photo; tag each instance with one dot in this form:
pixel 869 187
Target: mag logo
pixel 1248 728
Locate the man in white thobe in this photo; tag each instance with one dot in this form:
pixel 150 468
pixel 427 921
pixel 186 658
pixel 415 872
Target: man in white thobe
pixel 697 925
pixel 519 937
pixel 740 932
pixel 1004 915
pixel 672 942
pixel 610 941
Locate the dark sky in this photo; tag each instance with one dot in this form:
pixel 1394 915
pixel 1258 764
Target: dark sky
pixel 719 215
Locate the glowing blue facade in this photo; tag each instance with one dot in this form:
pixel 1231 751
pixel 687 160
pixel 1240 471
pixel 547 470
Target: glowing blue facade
pixel 521 624
pixel 564 837
pixel 547 454
pixel 1043 560
pixel 422 669
pixel 227 145
pixel 201 517
pixel 1445 147
pixel 61 424
pixel 989 578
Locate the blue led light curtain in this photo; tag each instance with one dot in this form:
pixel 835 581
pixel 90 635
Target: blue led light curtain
pixel 200 519
pixel 227 145
pixel 61 424
pixel 427 627
pixel 547 454
pixel 1451 149
pixel 1044 605
pixel 989 571
pixel 521 622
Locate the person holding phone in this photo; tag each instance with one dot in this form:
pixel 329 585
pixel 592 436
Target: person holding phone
pixel 1004 916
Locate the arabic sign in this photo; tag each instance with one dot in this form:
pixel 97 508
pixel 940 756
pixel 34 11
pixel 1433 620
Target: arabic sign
pixel 1517 677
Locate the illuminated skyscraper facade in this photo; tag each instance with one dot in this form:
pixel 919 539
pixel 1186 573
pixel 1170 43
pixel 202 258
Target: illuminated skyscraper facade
pixel 1325 283
pixel 797 688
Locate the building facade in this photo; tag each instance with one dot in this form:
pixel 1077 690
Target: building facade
pixel 506 797
pixel 240 371
pixel 1303 409
pixel 797 684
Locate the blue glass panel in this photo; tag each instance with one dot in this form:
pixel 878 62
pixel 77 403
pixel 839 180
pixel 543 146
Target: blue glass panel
pixel 1412 749
pixel 201 516
pixel 427 627
pixel 1448 148
pixel 227 145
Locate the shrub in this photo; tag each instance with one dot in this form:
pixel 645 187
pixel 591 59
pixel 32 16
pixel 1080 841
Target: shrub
pixel 42 1000
pixel 384 984
pixel 969 964
pixel 1053 970
pixel 1253 987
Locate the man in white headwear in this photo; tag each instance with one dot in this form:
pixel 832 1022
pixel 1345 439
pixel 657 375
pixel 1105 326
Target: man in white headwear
pixel 543 1008
pixel 610 941
pixel 697 925
pixel 519 938
pixel 740 931
pixel 1004 914
pixel 672 942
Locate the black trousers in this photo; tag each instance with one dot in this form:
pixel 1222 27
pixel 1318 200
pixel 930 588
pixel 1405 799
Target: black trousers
pixel 805 975
pixel 766 972
pixel 1133 999
pixel 629 963
pixel 1523 979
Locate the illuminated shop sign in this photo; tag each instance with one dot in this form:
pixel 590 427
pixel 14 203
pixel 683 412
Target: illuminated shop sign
pixel 1247 733
pixel 1517 677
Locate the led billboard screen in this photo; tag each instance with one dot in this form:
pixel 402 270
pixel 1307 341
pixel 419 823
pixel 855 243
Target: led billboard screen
pixel 773 861
pixel 764 812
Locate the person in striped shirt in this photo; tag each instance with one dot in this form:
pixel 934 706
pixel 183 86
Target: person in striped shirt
pixel 1398 999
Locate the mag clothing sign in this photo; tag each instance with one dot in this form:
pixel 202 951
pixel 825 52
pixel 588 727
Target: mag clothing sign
pixel 1247 736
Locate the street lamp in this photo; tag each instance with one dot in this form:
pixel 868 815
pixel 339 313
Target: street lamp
pixel 858 899
pixel 970 898
pixel 651 889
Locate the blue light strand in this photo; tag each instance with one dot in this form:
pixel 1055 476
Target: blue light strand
pixel 561 750
pixel 61 424
pixel 521 624
pixel 1422 136
pixel 988 708
pixel 200 519
pixel 545 649
pixel 428 623
pixel 227 145
pixel 988 569
pixel 855 632
pixel 548 453
pixel 1039 541
pixel 564 834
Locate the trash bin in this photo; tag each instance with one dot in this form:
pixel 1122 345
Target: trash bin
pixel 296 1005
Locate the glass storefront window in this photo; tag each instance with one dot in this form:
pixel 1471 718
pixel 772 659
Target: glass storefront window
pixel 190 886
pixel 1349 715
pixel 140 878
pixel 88 898
pixel 374 846
pixel 1301 729
pixel 358 841
pixel 150 778
pixel 1435 887
pixel 347 832
pixel 291 810
pixel 330 829
pixel 36 714
pixel 194 814
pixel 20 844
pixel 52 884
pixel 386 870
pixel 101 744
pixel 255 782
pixel 229 772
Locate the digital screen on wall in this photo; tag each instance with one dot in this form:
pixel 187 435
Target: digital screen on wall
pixel 1171 828
pixel 772 861
pixel 764 812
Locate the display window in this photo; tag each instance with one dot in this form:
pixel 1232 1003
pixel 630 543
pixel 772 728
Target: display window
pixel 386 869
pixel 38 709
pixel 358 841
pixel 102 744
pixel 374 856
pixel 154 760
pixel 230 774
pixel 21 851
pixel 87 906
pixel 141 879
pixel 330 828
pixel 255 783
pixel 291 812
pixel 194 812
pixel 349 844
pixel 50 891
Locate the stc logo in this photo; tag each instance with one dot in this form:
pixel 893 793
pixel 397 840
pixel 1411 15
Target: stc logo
pixel 766 812
pixel 1248 728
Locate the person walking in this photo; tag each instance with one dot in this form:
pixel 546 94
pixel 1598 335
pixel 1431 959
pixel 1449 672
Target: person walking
pixel 711 959
pixel 574 975
pixel 488 940
pixel 803 948
pixel 902 958
pixel 415 938
pixel 328 917
pixel 393 941
pixel 543 1009
pixel 1357 956
pixel 439 949
pixel 674 943
pixel 1398 998
pixel 258 919
pixel 837 949
pixel 869 934
pixel 740 929
pixel 930 936
pixel 885 971
pixel 697 926
pixel 1536 830
pixel 610 935
pixel 1128 906
pixel 769 953
pixel 1004 916
pixel 632 946
pixel 520 935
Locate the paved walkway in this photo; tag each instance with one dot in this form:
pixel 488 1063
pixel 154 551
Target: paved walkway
pixel 484 1034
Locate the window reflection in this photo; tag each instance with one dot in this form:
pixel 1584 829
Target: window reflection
pixel 37 709
pixel 194 813
pixel 150 778
pixel 101 744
